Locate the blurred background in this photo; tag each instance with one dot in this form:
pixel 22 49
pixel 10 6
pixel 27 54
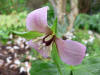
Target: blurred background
pixel 77 20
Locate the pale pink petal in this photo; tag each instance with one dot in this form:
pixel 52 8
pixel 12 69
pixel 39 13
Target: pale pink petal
pixel 37 20
pixel 71 52
pixel 45 51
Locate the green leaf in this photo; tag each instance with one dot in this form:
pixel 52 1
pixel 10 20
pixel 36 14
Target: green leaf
pixel 28 35
pixel 90 66
pixel 54 26
pixel 92 69
pixel 40 67
pixel 43 68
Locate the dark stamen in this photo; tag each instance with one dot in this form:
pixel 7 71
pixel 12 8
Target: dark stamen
pixel 49 41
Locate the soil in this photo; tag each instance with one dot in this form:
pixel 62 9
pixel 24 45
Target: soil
pixel 12 57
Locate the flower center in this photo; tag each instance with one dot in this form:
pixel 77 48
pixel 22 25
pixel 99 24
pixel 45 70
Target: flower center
pixel 48 39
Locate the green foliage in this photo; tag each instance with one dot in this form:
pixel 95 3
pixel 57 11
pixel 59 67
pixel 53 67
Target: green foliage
pixel 90 66
pixel 68 7
pixel 88 22
pixel 81 34
pixel 95 6
pixel 28 35
pixel 8 6
pixel 47 68
pixel 54 26
pixel 94 48
pixel 43 68
pixel 11 22
pixel 4 36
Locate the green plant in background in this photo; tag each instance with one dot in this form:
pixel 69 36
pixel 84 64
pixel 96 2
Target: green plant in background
pixel 81 34
pixel 8 6
pixel 85 21
pixel 11 22
pixel 95 6
pixel 94 48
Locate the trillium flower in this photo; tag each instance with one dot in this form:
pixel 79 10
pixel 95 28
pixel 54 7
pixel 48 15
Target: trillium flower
pixel 71 52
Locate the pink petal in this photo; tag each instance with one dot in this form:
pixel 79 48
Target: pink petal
pixel 45 51
pixel 71 52
pixel 37 20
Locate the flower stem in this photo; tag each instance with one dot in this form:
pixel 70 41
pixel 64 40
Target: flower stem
pixel 56 58
pixel 71 72
pixel 58 67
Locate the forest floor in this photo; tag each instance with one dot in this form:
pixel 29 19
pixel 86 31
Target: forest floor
pixel 15 57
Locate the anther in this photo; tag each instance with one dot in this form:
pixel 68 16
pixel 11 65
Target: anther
pixel 42 45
